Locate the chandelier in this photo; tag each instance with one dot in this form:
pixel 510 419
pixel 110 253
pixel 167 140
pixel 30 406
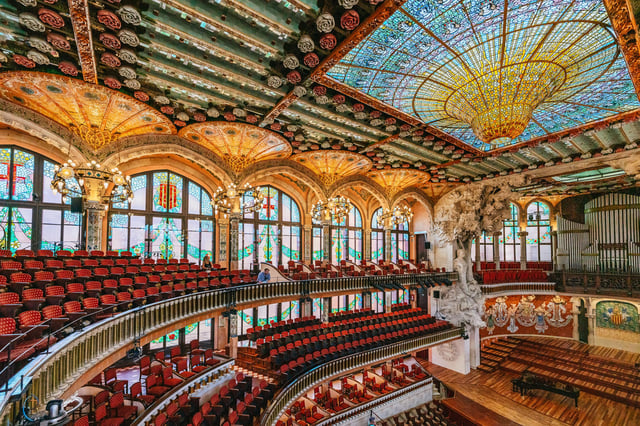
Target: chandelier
pixel 396 216
pixel 334 209
pixel 90 183
pixel 233 200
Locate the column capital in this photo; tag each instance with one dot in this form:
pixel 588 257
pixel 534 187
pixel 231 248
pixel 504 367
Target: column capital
pixel 523 234
pixel 496 234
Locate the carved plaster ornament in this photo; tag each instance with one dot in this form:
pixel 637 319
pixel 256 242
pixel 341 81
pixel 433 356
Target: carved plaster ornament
pixel 129 15
pixel 448 351
pixel 127 72
pixel 162 100
pixel 322 100
pixel 132 84
pixel 3 57
pixel 291 62
pixel 306 44
pixel 37 57
pixel 40 44
pixel 348 4
pixel 325 23
pixel 28 3
pixel 32 22
pixel 128 56
pixel 274 81
pixel 213 113
pixel 376 122
pixel 360 115
pixel 299 137
pixel 183 116
pixel 299 91
pixel 292 127
pixel 129 37
pixel 239 112
pixel 343 108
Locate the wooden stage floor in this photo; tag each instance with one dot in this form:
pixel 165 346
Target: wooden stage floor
pixel 493 391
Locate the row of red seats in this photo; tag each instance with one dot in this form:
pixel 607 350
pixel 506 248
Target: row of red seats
pixel 512 276
pixel 281 326
pixel 349 314
pixel 491 266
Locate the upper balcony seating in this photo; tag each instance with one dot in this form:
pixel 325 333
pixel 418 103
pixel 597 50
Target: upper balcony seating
pixel 511 276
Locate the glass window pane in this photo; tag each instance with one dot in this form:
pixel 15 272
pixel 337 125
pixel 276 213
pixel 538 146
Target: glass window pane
pixel 48 196
pixel 194 198
pixel 23 166
pixel 5 164
pixel 71 231
pixel 21 229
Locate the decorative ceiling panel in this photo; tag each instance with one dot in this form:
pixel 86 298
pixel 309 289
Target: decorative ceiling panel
pixel 238 144
pixel 395 180
pixel 494 74
pixel 97 114
pixel 332 165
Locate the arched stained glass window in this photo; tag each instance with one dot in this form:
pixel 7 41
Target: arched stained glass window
pixel 538 233
pixel 346 237
pixel 274 231
pixel 32 216
pixel 509 242
pixel 400 241
pixel 377 237
pixel 169 217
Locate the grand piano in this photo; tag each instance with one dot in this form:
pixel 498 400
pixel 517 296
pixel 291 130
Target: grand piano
pixel 529 381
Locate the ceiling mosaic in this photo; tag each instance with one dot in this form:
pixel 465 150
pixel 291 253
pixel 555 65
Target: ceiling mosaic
pixel 238 144
pixel 396 180
pixel 333 165
pixel 96 114
pixel 494 73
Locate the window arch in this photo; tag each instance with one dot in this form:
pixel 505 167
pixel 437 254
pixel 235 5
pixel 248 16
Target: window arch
pixel 509 240
pixel 377 237
pixel 538 232
pixel 169 217
pixel 32 216
pixel 274 231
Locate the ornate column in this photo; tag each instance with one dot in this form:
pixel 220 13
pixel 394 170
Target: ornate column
pixel 366 240
pixel 234 221
pixel 477 253
pixel 387 301
pixel 306 307
pixel 326 241
pixel 554 248
pixel 324 315
pixel 387 242
pixel 95 212
pixel 496 248
pixel 366 300
pixel 233 333
pixel 223 238
pixel 307 243
pixel 523 249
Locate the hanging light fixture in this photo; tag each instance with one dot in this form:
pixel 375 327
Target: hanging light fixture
pixel 335 209
pixel 396 216
pixel 233 200
pixel 90 182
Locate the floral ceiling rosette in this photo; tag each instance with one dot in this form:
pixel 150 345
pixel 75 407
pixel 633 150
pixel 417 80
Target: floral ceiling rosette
pixel 332 165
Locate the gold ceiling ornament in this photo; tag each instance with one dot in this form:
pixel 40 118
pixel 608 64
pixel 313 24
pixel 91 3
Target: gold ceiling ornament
pixel 96 114
pixel 239 145
pixel 395 180
pixel 332 165
pixel 234 200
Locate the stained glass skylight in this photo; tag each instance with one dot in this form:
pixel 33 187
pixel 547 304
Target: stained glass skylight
pixel 590 175
pixel 494 73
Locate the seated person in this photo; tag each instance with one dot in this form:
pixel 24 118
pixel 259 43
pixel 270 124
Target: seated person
pixel 264 276
pixel 206 262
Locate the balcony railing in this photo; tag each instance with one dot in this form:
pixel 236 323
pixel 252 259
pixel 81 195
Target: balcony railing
pixel 606 283
pixel 370 405
pixel 532 287
pixel 51 374
pixel 348 363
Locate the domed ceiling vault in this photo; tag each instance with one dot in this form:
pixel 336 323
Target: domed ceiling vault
pixel 276 64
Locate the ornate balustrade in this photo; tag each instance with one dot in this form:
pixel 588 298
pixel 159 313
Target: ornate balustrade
pixel 58 372
pixel 606 283
pixel 346 364
pixel 533 287
pixel 366 407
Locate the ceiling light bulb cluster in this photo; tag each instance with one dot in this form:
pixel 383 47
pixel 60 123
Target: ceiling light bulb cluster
pixel 334 209
pixel 90 182
pixel 396 216
pixel 233 200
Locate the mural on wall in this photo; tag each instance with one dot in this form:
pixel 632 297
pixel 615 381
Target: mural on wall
pixel 617 316
pixel 528 314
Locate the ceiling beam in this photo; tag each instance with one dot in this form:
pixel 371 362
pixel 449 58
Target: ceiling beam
pixel 81 22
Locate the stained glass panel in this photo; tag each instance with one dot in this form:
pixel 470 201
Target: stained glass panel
pixel 269 209
pixel 194 198
pixel 48 196
pixel 21 228
pixel 246 244
pixel 167 237
pixel 268 244
pixel 167 192
pixel 5 164
pixel 318 251
pixel 23 166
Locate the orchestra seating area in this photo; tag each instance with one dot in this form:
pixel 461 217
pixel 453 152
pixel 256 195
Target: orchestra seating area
pixel 351 390
pixel 45 296
pixel 513 275
pixel 298 347
pixel 567 362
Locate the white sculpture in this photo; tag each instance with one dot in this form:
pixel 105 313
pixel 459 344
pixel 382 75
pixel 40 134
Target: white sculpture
pixel 462 216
